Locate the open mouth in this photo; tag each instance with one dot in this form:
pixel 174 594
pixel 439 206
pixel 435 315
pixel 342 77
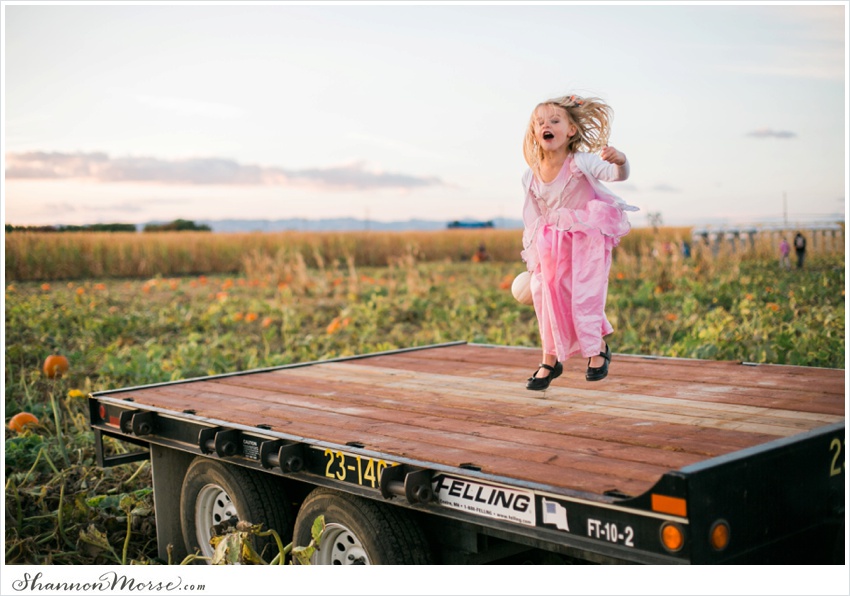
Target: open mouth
pixel 548 136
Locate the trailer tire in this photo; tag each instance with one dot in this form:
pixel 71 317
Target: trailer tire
pixel 360 531
pixel 214 492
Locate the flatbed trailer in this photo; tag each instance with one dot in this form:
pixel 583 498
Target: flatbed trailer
pixel 439 454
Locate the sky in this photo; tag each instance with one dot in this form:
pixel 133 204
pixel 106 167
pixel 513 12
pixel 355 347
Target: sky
pixel 728 113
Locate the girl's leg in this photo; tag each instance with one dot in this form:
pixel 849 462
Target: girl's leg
pixel 549 359
pixel 590 283
pixel 543 310
pixel 597 361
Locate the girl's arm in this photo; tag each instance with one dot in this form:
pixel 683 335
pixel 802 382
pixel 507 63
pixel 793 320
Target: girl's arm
pixel 610 166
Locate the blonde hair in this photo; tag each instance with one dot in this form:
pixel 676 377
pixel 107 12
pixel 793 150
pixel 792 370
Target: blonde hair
pixel 591 116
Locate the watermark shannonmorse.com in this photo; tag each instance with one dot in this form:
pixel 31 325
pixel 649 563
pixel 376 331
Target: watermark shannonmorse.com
pixel 108 581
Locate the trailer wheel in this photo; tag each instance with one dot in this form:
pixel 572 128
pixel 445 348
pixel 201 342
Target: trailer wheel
pixel 359 531
pixel 214 493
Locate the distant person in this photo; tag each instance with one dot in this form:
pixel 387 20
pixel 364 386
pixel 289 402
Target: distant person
pixel 480 255
pixel 686 249
pixel 800 249
pixel 784 252
pixel 571 224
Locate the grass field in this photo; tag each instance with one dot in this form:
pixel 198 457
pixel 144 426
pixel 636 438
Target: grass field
pixel 285 307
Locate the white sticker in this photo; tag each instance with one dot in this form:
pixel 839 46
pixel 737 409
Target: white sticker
pixel 555 513
pixel 487 500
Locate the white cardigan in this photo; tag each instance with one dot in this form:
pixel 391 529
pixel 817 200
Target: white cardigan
pixel 595 169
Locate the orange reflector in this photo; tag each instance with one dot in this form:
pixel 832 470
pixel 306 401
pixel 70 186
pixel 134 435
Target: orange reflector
pixel 719 536
pixel 671 537
pixel 671 505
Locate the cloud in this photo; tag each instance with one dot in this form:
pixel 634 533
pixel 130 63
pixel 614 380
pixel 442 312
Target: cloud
pixel 56 209
pixel 395 145
pixel 133 206
pixel 42 165
pixel 660 187
pixel 191 107
pixel 765 133
pixel 99 167
pixel 129 207
pixel 665 188
pixel 809 43
pixel 356 177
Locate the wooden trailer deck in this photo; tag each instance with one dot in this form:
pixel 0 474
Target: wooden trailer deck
pixel 467 404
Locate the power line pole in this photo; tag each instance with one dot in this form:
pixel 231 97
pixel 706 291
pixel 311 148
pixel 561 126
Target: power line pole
pixel 785 208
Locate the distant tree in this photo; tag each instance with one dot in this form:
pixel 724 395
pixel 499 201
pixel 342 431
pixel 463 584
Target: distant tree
pixel 114 227
pixel 110 227
pixel 10 228
pixel 178 225
pixel 107 227
pixel 654 219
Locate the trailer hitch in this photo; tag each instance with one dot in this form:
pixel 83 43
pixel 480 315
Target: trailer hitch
pixel 289 457
pixel 414 484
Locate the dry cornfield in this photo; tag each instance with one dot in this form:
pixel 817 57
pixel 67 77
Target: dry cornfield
pixel 38 256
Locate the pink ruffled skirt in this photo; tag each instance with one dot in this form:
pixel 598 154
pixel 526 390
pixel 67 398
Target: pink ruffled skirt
pixel 569 283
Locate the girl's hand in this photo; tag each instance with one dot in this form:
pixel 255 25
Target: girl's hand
pixel 613 156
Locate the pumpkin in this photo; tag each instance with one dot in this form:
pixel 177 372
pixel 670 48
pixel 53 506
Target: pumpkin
pixel 55 366
pixel 19 421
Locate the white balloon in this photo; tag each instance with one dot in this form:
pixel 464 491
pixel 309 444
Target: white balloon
pixel 521 288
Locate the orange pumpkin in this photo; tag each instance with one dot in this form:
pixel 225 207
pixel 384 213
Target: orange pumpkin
pixel 55 366
pixel 19 421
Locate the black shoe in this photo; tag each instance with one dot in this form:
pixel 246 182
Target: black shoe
pixel 597 374
pixel 541 383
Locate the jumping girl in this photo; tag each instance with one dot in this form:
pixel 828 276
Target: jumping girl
pixel 571 224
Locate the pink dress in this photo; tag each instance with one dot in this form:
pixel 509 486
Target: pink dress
pixel 571 225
